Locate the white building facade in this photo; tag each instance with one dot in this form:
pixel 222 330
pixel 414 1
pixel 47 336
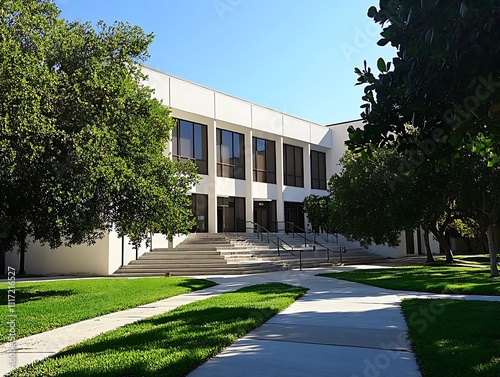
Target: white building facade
pixel 257 166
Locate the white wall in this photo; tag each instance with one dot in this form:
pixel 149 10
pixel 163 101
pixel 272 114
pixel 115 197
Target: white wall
pixel 76 260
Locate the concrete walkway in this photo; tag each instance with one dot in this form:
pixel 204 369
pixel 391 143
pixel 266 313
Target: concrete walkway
pixel 338 329
pixel 40 346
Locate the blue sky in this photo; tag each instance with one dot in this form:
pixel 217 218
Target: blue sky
pixel 294 56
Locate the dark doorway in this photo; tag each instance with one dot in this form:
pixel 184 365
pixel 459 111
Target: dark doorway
pixel 410 243
pixel 264 214
pixel 230 214
pixel 199 207
pixel 294 217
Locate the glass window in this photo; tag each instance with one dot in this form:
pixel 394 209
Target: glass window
pixel 294 217
pixel 199 207
pixel 264 169
pixel 318 170
pixel 231 214
pixel 293 166
pixel 189 142
pixel 230 163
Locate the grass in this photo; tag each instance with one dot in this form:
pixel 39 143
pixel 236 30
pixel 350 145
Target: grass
pixel 171 344
pixel 455 338
pixel 436 279
pixel 42 306
pixel 477 259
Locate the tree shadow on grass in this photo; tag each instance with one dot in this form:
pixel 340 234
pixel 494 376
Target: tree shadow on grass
pixel 27 295
pixel 171 344
pixel 196 284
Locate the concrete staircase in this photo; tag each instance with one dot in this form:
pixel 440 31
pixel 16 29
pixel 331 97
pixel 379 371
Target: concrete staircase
pixel 238 253
pixel 220 254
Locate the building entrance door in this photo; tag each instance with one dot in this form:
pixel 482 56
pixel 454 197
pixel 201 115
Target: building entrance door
pixel 220 219
pixel 264 214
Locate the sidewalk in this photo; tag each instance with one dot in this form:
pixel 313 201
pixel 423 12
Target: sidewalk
pixel 338 328
pixel 40 346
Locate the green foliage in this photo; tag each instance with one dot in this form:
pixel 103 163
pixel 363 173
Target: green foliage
pixel 44 306
pixel 454 337
pixel 81 139
pixel 376 198
pixel 444 80
pixel 174 343
pixel 317 209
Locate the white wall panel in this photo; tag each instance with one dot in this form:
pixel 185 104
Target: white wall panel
pixel 233 110
pixel 192 98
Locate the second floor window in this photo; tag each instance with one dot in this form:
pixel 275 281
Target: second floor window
pixel 230 154
pixel 189 142
pixel 293 166
pixel 264 168
pixel 318 170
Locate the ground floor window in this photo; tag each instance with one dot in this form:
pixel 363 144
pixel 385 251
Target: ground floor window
pixel 199 206
pixel 230 214
pixel 294 216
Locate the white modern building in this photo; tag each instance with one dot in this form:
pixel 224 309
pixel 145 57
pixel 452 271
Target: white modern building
pixel 257 165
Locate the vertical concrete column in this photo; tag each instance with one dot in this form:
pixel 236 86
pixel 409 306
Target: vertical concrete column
pixel 280 206
pixel 212 176
pixel 249 176
pixel 307 168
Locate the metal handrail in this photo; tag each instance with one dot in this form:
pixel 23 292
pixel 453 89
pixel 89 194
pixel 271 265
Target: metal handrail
pixel 259 228
pixel 342 249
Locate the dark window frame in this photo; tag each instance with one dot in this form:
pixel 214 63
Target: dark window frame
pixel 266 173
pixel 199 207
pixel 233 168
pixel 294 210
pixel 199 139
pixel 293 165
pixel 318 170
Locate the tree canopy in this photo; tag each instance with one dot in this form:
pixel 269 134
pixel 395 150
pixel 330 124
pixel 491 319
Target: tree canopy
pixel 81 138
pixel 374 200
pixel 444 80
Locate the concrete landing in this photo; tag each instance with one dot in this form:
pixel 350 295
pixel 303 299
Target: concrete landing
pixel 338 328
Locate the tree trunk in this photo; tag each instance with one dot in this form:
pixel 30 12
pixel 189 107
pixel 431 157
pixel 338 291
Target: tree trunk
pixel 443 242
pixel 492 250
pixel 22 252
pixel 428 250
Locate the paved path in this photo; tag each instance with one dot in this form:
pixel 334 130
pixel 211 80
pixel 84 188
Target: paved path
pixel 338 329
pixel 40 346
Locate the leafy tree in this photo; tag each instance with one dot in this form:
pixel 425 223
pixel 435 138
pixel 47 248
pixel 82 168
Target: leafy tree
pixel 480 199
pixel 361 196
pixel 317 209
pixel 444 80
pixel 375 200
pixel 81 139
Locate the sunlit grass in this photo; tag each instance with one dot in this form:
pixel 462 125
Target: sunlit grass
pixel 455 338
pixel 171 344
pixel 436 279
pixel 43 306
pixel 477 259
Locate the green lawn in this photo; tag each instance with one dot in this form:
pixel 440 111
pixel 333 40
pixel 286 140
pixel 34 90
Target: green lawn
pixel 477 259
pixel 171 344
pixel 437 279
pixel 42 306
pixel 455 338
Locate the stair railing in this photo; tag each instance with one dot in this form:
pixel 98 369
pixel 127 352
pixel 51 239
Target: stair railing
pixel 264 233
pixel 294 227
